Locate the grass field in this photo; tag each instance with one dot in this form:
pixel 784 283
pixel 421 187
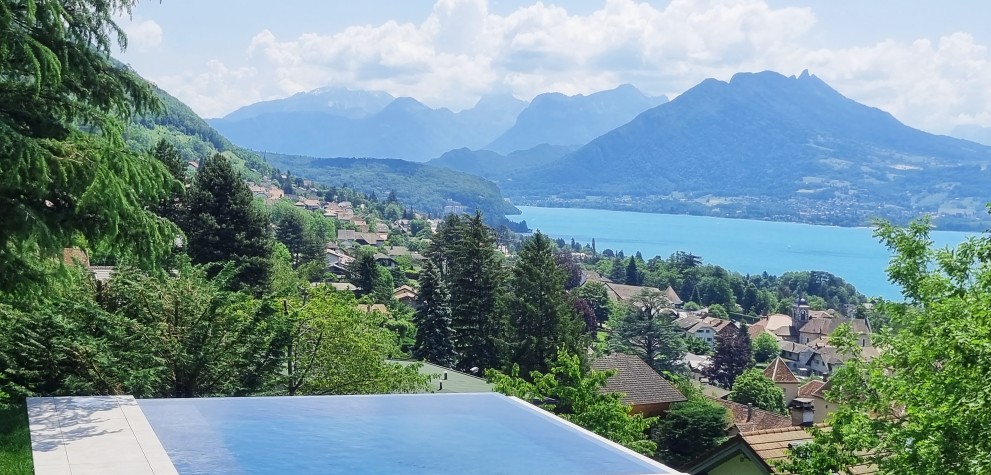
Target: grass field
pixel 15 442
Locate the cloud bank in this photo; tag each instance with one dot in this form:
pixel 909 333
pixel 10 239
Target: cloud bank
pixel 461 51
pixel 144 35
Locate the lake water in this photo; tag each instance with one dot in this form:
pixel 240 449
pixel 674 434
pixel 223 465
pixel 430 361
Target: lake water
pixel 741 245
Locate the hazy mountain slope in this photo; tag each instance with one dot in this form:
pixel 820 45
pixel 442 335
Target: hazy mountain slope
pixel 557 119
pixel 766 135
pixel 191 135
pixel 405 128
pixel 425 187
pixel 974 133
pixel 496 167
pixel 337 101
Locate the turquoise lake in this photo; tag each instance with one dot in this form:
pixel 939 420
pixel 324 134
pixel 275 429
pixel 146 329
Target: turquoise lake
pixel 745 246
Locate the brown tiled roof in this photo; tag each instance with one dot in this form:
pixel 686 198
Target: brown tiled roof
pixel 71 254
pixel 717 324
pixel 826 326
pixel 672 296
pixel 821 392
pixel 637 380
pixel 779 373
pixel 763 447
pixel 757 328
pixel 760 419
pixel 620 292
pixel 810 388
pixel 773 444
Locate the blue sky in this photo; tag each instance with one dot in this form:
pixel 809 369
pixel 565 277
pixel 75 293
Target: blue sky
pixel 925 62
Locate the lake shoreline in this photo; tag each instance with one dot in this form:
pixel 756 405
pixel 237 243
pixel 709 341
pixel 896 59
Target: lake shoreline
pixel 975 227
pixel 740 245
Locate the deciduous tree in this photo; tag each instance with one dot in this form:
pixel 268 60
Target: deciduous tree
pixel 765 347
pixel 733 355
pixel 752 387
pixel 920 406
pixel 577 396
pixel 647 331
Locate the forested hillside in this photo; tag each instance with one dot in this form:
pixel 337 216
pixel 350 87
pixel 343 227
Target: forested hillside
pixel 496 167
pixel 426 188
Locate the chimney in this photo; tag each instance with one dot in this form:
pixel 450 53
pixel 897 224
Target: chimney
pixel 750 412
pixel 445 375
pixel 441 387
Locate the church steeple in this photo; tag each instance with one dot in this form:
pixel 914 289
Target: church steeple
pixel 800 310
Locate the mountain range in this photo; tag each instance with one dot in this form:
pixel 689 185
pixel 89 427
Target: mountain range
pixel 974 133
pixel 424 187
pixel 338 122
pixel 557 119
pixel 341 123
pixel 759 145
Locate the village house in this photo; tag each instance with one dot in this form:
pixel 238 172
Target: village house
pixel 707 328
pixel 348 238
pixel 385 261
pixel 753 453
pixel 405 294
pixel 796 356
pixel 747 418
pixel 622 292
pixel 673 297
pixel 335 256
pixel 783 378
pixel 645 390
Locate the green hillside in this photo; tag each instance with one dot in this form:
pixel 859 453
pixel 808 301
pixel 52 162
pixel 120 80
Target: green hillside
pixel 425 187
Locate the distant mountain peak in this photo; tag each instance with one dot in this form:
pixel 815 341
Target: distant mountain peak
pixel 557 119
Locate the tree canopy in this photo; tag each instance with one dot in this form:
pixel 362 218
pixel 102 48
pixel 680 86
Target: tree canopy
pixel 921 406
pixel 65 173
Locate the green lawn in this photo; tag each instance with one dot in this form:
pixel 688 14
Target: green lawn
pixel 15 442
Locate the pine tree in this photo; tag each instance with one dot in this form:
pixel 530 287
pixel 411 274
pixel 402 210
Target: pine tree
pixel 223 224
pixel 297 233
pixel 434 335
pixel 58 181
pixel 171 206
pixel 647 331
pixel 475 277
pixel 733 356
pixel 541 317
pixel 632 273
pixel 363 271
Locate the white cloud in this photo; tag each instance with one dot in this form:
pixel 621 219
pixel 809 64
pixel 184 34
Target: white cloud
pixel 461 50
pixel 144 35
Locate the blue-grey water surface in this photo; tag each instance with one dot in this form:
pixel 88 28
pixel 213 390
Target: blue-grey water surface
pixel 742 245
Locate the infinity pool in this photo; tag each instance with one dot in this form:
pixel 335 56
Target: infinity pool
pixel 435 434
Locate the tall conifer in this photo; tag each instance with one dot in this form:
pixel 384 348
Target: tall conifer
pixel 60 181
pixel 434 335
pixel 542 319
pixel 475 279
pixel 224 225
